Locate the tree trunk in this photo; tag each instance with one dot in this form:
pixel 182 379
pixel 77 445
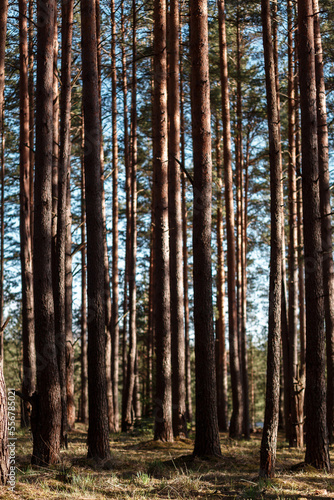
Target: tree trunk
pixel 185 255
pixel 317 453
pixel 115 282
pixel 63 173
pixel 98 442
pixel 175 227
pixel 68 313
pixel 326 224
pixel 237 413
pixel 46 412
pixel 221 365
pixel 3 33
pixel 296 435
pixel 132 353
pixel 84 362
pixel 55 159
pixel 207 433
pixel 128 212
pixel 28 323
pixel 163 397
pixel 269 436
pixel 107 292
pixel 31 90
pixel 240 242
pixel 301 279
pixel 4 450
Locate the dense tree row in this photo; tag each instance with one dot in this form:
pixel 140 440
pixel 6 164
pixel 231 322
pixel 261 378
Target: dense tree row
pixel 135 123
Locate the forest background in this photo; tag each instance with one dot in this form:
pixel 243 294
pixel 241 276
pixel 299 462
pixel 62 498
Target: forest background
pixel 249 138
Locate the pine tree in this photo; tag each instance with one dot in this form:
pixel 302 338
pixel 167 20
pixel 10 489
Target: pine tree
pixel 207 433
pixel 98 442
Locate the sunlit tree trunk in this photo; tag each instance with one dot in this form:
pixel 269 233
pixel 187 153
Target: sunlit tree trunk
pixel 28 324
pixel 221 365
pixel 241 262
pixel 296 434
pixel 83 354
pixel 326 212
pixel 68 313
pixel 317 452
pixel 269 436
pixel 175 227
pixel 46 411
pixel 62 204
pixel 237 413
pixel 163 396
pixel 132 353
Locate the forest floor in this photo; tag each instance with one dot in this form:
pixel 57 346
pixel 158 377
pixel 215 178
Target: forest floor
pixel 140 468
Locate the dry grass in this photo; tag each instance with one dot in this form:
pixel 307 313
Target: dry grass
pixel 142 469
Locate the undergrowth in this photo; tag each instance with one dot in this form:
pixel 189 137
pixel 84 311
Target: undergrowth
pixel 140 468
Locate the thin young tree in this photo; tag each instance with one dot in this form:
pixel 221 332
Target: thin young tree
pixel 207 433
pixel 28 324
pixel 326 224
pixel 130 387
pixel 68 310
pixel 83 353
pixel 63 175
pixel 317 449
pixel 163 397
pixel 128 207
pixel 221 365
pixel 46 411
pixel 175 226
pixel 98 439
pixel 185 249
pixel 269 436
pixel 296 420
pixel 115 279
pixel 237 413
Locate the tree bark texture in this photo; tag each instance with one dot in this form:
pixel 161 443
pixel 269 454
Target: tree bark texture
pixel 162 321
pixel 46 412
pixel 3 33
pixel 269 436
pixel 326 212
pixel 62 218
pixel 98 439
pixel 84 353
pixel 28 323
pixel 175 226
pixel 297 425
pixel 185 254
pixel 221 365
pixel 115 280
pixel 317 453
pixel 132 352
pixel 237 412
pixel 207 433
